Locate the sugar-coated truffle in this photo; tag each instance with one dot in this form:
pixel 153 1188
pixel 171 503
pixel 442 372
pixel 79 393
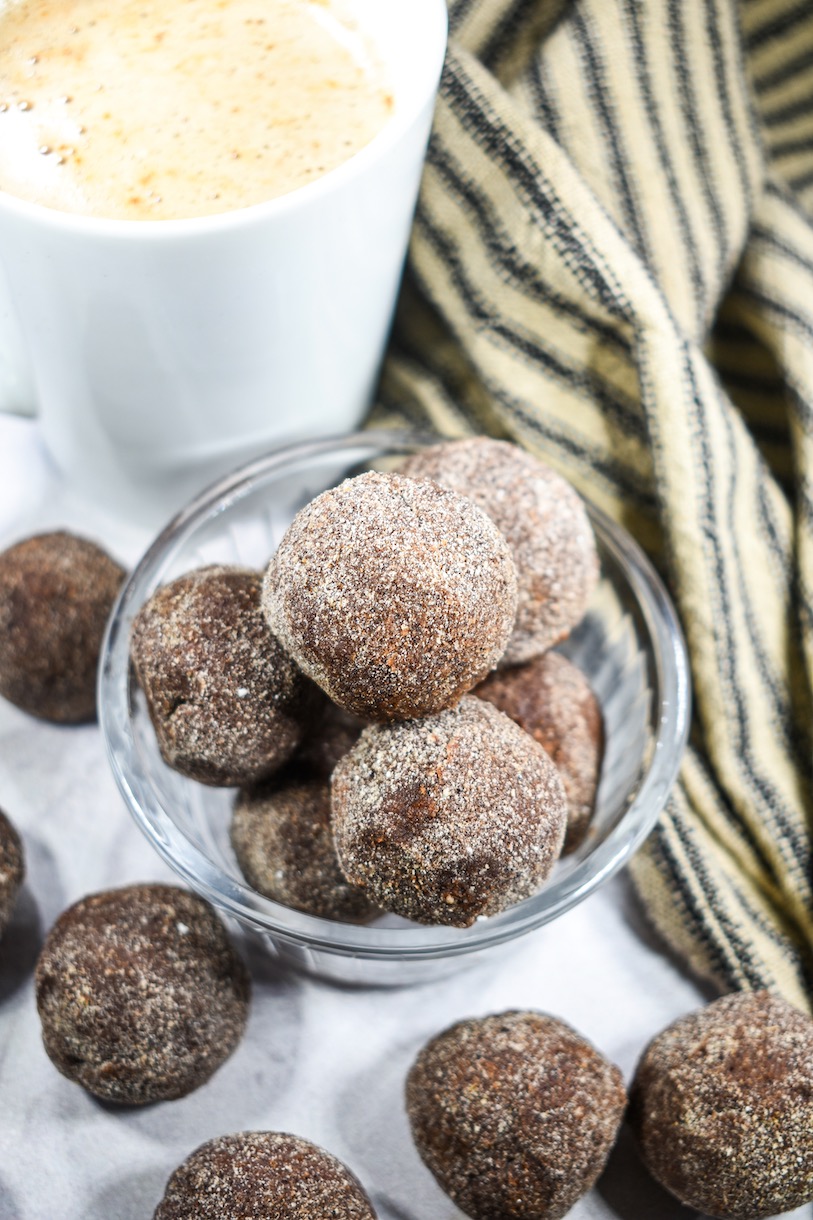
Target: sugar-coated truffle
pixel 56 593
pixel 12 869
pixel 263 1175
pixel 226 701
pixel 722 1107
pixel 448 818
pixel 544 522
pixel 551 699
pixel 327 738
pixel 282 837
pixel 514 1114
pixel 140 993
pixel 395 596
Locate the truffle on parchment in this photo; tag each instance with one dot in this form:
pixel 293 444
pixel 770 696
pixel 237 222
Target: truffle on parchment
pixel 140 993
pixel 56 593
pixel 722 1107
pixel 514 1114
pixel 263 1175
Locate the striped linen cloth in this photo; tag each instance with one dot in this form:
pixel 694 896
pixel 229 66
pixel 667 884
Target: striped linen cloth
pixel 612 264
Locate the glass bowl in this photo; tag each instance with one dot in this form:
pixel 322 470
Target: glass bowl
pixel 629 645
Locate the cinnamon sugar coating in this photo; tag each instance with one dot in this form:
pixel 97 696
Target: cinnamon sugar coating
pixel 56 592
pixel 396 597
pixel 544 523
pixel 12 869
pixel 226 701
pixel 722 1107
pixel 514 1114
pixel 448 818
pixel 551 699
pixel 263 1175
pixel 282 837
pixel 140 993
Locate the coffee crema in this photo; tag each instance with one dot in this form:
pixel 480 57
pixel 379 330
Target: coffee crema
pixel 170 109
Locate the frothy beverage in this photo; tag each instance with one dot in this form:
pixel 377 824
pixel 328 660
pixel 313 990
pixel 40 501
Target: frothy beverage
pixel 166 109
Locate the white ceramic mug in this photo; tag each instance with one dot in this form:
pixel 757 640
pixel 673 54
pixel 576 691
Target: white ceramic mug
pixel 159 354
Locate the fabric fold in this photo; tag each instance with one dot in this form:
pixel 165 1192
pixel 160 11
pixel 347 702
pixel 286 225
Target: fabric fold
pixel 612 265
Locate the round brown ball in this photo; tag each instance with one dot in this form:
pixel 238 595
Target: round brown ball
pixel 448 818
pixel 326 740
pixel 722 1107
pixel 551 699
pixel 514 1114
pixel 56 593
pixel 12 869
pixel 140 993
pixel 544 523
pixel 257 1175
pixel 283 840
pixel 226 701
pixel 396 597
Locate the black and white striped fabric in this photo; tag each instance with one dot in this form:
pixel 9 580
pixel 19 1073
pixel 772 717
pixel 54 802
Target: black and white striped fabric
pixel 612 264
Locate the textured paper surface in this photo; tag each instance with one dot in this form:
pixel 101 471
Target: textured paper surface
pixel 325 1062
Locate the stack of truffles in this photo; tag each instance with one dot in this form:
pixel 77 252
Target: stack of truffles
pixel 350 692
pixel 382 697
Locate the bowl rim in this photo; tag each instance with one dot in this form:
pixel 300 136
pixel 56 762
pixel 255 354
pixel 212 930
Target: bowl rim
pixel 414 942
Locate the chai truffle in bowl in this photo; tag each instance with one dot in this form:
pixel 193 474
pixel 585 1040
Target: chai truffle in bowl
pixel 226 701
pixel 629 644
pixel 395 596
pixel 12 869
pixel 544 523
pixel 551 699
pixel 448 818
pixel 282 837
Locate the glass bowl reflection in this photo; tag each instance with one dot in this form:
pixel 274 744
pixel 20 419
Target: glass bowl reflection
pixel 629 645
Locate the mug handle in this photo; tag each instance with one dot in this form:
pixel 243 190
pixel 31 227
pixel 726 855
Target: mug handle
pixel 17 392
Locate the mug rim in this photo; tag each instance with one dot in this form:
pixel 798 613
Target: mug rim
pixel 437 21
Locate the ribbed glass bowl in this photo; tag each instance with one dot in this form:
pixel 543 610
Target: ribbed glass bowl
pixel 629 645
